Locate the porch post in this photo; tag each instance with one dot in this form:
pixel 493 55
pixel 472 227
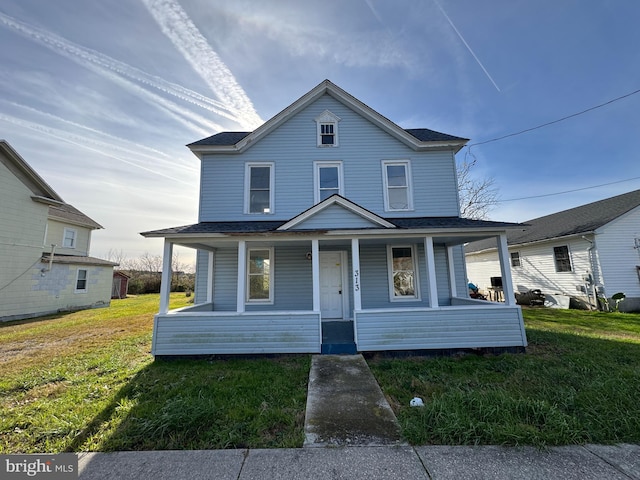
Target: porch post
pixel 452 272
pixel 355 265
pixel 431 272
pixel 505 270
pixel 315 273
pixel 210 277
pixel 242 269
pixel 165 285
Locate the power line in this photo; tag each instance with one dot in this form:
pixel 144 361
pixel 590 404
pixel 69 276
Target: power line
pixel 567 191
pixel 556 121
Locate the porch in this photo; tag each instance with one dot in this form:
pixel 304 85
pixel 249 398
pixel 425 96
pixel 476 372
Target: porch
pixel 333 294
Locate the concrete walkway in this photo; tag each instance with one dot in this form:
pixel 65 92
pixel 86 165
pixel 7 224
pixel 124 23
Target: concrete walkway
pixel 345 406
pixel 591 462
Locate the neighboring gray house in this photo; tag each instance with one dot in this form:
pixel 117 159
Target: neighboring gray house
pixel 45 265
pixel 594 248
pixel 331 229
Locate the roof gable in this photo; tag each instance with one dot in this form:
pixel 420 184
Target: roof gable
pixel 336 212
pixel 416 139
pixel 27 175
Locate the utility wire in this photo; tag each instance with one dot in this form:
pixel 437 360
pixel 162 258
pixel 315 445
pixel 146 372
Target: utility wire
pixel 555 121
pixel 567 191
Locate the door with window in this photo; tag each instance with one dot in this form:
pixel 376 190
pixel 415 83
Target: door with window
pixel 331 291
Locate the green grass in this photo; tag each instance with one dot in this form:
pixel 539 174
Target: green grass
pixel 85 381
pixel 578 383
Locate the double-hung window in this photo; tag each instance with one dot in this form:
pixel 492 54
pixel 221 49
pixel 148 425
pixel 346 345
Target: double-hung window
pixel 562 259
pixel 403 272
pixel 69 238
pixel 397 185
pixel 515 259
pixel 81 281
pixel 260 275
pixel 327 129
pixel 259 188
pixel 328 180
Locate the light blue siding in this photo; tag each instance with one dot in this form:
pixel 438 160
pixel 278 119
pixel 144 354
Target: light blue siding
pixel 225 280
pixel 293 148
pixel 454 327
pixel 335 216
pixel 208 334
pixel 202 280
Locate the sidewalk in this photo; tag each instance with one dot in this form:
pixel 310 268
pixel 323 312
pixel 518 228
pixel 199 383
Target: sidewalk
pixel 370 463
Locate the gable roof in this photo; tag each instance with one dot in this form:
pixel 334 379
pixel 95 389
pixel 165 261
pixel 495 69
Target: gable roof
pixel 42 191
pixel 574 221
pixel 69 214
pixel 27 175
pixel 345 203
pixel 416 139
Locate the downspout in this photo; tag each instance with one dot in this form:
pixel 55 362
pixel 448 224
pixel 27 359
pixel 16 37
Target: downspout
pixel 594 291
pixel 53 251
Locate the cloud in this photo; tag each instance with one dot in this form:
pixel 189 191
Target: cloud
pixel 125 75
pixel 106 149
pixel 185 36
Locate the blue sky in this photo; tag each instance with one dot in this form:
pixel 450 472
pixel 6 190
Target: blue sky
pixel 100 96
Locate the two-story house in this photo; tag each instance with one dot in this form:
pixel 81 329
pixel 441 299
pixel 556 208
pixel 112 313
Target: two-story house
pixel 331 229
pixel 45 265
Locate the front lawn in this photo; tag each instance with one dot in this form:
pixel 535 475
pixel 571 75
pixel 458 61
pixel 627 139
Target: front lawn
pixel 85 381
pixel 578 383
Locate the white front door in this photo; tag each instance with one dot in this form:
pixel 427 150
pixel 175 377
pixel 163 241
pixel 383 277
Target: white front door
pixel 331 295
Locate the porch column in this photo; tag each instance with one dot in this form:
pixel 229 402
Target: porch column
pixel 452 272
pixel 165 285
pixel 355 265
pixel 210 277
pixel 242 271
pixel 315 273
pixel 431 272
pixel 505 269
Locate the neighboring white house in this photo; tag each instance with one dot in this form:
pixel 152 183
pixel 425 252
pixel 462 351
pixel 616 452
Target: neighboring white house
pixel 331 229
pixel 45 265
pixel 593 248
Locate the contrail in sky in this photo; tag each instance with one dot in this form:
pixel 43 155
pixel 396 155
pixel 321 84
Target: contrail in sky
pixel 119 72
pixel 466 45
pixel 88 143
pixel 178 27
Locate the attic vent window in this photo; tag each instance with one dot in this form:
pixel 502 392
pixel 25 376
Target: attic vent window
pixel 327 129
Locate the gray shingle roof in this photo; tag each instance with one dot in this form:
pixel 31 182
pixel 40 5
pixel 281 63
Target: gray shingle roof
pixel 271 226
pixel 231 138
pixel 76 260
pixel 578 220
pixel 72 214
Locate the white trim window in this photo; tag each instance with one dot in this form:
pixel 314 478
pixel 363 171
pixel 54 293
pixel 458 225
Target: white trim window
pixel 259 182
pixel 328 180
pixel 69 238
pixel 403 272
pixel 260 275
pixel 516 262
pixel 398 195
pixel 327 129
pixel 81 281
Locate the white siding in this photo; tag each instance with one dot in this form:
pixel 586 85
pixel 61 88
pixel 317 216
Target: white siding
pixel 618 257
pixel 537 268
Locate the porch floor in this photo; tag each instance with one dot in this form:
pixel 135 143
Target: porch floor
pixel 337 337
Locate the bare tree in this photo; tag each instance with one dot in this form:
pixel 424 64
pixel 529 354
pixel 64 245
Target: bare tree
pixel 117 256
pixel 477 196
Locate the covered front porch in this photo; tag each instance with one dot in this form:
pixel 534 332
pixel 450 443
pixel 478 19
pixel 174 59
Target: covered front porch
pixel 294 292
